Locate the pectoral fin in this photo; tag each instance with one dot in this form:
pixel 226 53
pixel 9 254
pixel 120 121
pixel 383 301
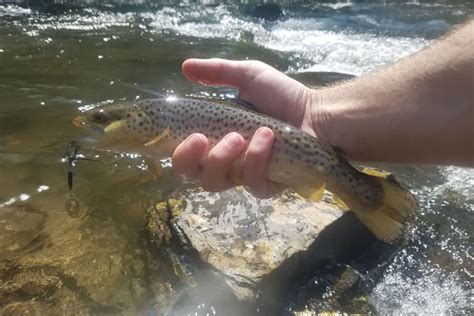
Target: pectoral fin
pixel 155 167
pixel 339 203
pixel 311 193
pixel 114 126
pixel 158 139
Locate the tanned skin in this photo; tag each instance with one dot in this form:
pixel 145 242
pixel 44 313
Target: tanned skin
pixel 418 110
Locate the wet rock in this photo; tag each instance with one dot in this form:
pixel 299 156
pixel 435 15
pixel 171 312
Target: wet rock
pixel 83 265
pixel 20 228
pixel 261 245
pixel 37 291
pixel 97 257
pixel 157 224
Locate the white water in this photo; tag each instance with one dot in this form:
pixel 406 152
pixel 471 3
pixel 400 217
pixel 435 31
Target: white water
pixel 322 43
pixel 341 42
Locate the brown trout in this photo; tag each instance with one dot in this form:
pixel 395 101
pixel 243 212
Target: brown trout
pixel 154 128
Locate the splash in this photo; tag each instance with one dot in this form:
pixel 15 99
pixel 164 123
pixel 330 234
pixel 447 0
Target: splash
pixel 435 292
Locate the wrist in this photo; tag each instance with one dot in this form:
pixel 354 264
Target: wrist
pixel 339 119
pixel 326 115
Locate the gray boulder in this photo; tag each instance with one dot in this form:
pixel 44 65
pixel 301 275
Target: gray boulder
pixel 260 246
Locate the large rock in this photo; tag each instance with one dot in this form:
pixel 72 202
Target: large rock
pixel 67 265
pixel 21 230
pixel 259 246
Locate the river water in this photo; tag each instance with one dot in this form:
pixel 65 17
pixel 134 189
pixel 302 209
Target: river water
pixel 58 59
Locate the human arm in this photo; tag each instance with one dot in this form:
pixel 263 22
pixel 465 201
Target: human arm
pixel 419 110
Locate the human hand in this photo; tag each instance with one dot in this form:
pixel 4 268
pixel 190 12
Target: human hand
pixel 274 94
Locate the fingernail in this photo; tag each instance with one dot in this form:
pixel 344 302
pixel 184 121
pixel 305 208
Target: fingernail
pixel 193 138
pixel 265 132
pixel 233 140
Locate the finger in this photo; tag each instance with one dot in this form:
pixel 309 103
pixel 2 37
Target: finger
pixel 188 155
pixel 217 71
pixel 257 155
pixel 216 166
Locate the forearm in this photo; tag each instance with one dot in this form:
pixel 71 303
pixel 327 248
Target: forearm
pixel 418 110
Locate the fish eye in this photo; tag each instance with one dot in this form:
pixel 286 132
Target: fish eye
pixel 99 117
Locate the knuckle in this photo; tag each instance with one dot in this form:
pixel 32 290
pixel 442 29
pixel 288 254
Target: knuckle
pixel 254 153
pixel 214 158
pixel 256 63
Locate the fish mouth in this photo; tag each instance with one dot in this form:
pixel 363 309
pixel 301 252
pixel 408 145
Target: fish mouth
pixel 81 121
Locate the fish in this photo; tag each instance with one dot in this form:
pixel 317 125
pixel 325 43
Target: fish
pixel 299 161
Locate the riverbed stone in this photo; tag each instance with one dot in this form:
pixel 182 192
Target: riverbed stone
pixel 21 229
pixel 259 245
pixel 79 265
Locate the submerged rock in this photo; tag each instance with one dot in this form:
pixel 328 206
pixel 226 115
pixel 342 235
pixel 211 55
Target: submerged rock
pixel 83 266
pixel 21 230
pixel 259 246
pixel 38 291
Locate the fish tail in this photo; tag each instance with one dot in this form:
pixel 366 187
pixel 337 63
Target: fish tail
pixel 386 221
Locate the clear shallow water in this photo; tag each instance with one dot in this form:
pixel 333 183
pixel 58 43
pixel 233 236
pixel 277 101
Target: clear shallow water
pixel 54 62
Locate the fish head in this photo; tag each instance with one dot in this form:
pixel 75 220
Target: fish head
pixel 118 127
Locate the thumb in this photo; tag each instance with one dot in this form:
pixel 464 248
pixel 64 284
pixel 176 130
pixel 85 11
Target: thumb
pixel 224 72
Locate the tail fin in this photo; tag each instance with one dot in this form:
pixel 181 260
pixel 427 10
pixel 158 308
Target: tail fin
pixel 387 221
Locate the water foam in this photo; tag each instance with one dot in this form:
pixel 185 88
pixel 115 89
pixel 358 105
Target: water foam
pixel 345 52
pixel 13 10
pixel 433 293
pixel 313 44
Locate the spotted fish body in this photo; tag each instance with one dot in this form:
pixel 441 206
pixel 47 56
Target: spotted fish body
pixel 155 127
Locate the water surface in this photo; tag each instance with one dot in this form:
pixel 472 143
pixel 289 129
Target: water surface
pixel 58 60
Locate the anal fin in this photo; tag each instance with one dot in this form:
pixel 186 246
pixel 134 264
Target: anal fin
pixel 340 203
pixel 311 193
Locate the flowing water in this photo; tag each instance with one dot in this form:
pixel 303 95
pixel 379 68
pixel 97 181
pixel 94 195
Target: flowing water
pixel 58 59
